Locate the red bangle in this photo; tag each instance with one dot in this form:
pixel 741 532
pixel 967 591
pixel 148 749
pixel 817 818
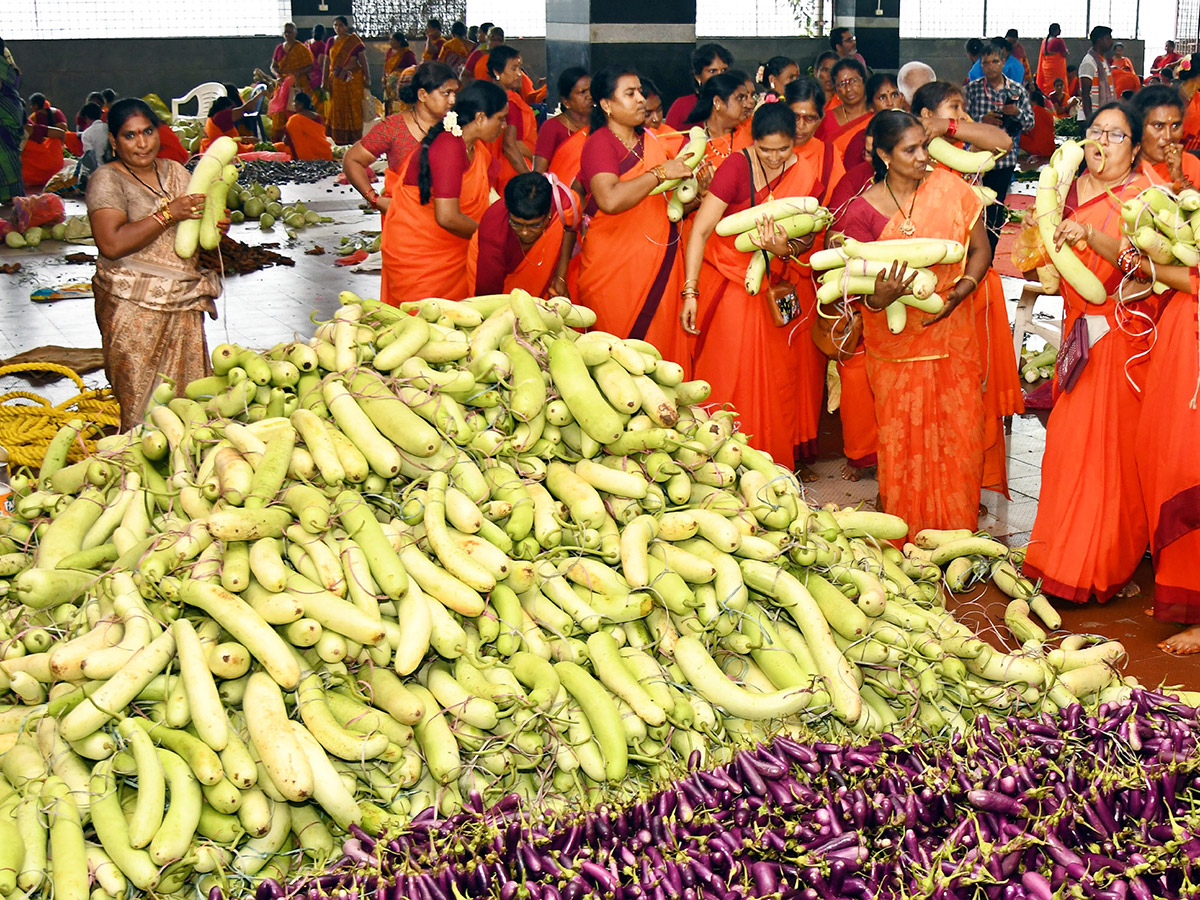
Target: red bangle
pixel 952 128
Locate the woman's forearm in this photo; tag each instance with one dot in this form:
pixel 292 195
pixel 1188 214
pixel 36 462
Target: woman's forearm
pixel 128 238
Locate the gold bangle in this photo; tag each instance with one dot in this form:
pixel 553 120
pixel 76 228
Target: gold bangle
pixel 971 278
pixel 659 172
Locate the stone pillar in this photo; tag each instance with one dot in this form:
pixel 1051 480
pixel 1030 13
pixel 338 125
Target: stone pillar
pixel 656 39
pixel 307 13
pixel 876 25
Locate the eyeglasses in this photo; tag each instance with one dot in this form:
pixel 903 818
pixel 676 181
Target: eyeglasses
pixel 807 119
pixel 527 227
pixel 1113 137
pixel 846 82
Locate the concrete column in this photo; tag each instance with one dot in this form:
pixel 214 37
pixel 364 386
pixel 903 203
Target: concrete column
pixel 307 13
pixel 656 39
pixel 876 25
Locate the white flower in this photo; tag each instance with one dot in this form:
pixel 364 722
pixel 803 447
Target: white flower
pixel 557 111
pixel 450 124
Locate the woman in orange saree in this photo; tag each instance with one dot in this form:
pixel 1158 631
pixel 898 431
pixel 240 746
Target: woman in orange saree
pixel 305 132
pixel 1091 528
pixel 1163 159
pixel 292 59
pixel 1168 457
pixel 42 157
pixel 512 152
pixel 723 109
pixel 560 140
pixel 734 325
pixel 926 378
pixel 806 99
pixel 434 204
pixel 632 264
pixel 843 122
pixel 347 76
pixel 399 57
pixel 1052 61
pixel 520 241
pixel 942 110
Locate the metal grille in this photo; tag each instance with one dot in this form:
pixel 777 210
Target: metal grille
pixel 1187 27
pixel 986 18
pixel 762 18
pixel 66 19
pixel 373 18
pixel 941 18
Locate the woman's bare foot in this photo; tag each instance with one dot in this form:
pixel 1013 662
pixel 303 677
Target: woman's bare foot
pixel 1130 590
pixel 857 473
pixel 1185 643
pixel 805 474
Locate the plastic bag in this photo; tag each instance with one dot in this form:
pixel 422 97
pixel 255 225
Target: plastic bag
pixel 1028 252
pixel 283 97
pixel 40 209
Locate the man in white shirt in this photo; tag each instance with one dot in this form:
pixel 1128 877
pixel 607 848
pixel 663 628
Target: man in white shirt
pixel 1095 74
pixel 94 138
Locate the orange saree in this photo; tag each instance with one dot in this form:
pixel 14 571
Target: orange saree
pixel 1002 394
pixel 527 137
pixel 1191 124
pixel 1168 459
pixel 307 137
pixel 1091 529
pixel 41 161
pixel 840 136
pixel 346 89
pixel 565 162
pixel 420 258
pixel 740 351
pixel 926 380
pixel 212 132
pixel 631 268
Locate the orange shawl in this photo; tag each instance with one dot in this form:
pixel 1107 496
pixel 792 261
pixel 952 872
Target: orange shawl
pixel 764 386
pixel 420 258
pixel 1091 529
pixel 926 380
pixel 536 270
pixel 631 267
pixel 308 138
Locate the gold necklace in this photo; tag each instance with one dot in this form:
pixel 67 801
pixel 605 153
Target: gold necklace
pixel 907 228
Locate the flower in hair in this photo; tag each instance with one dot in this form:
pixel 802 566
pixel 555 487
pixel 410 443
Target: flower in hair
pixel 1186 65
pixel 450 124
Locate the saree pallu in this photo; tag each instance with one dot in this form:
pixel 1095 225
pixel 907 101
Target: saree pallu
pixel 308 138
pixel 1168 459
pixel 740 351
pixel 631 268
pixel 567 157
pixel 345 96
pixel 1091 528
pixel 421 259
pixel 926 381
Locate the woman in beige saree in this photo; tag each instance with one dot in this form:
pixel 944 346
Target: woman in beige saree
pixel 150 304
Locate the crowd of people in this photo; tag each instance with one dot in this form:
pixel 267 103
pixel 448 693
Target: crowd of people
pixel 485 192
pixel 580 214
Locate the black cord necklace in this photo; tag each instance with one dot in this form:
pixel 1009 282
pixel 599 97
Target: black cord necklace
pixel 161 192
pixel 907 228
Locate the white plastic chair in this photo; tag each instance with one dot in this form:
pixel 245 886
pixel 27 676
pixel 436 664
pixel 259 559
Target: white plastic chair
pixel 203 94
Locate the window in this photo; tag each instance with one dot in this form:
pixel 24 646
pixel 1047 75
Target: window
pixel 59 19
pixel 760 18
pixel 518 18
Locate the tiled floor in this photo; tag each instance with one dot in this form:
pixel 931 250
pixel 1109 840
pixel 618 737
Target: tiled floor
pixel 275 304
